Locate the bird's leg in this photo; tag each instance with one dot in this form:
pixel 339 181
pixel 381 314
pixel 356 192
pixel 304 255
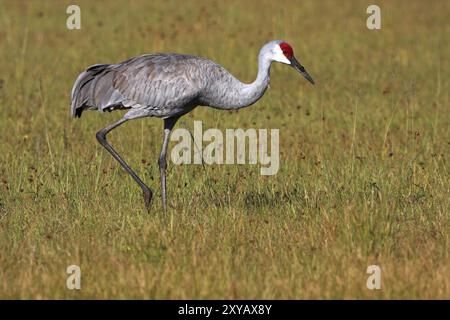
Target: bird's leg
pixel 101 137
pixel 168 125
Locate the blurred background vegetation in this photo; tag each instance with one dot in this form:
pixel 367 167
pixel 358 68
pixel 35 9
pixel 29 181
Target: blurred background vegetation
pixel 363 179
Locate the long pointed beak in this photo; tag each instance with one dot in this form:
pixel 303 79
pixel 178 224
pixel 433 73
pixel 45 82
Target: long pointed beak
pixel 297 66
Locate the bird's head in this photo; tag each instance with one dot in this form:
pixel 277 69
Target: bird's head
pixel 281 51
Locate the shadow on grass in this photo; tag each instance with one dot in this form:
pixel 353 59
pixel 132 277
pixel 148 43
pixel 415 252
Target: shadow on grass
pixel 272 198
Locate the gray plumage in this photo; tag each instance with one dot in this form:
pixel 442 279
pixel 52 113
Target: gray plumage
pixel 168 86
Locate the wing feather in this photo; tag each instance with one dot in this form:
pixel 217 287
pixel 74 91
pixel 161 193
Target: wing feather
pixel 158 83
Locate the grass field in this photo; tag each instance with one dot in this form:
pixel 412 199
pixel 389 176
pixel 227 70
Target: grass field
pixel 364 172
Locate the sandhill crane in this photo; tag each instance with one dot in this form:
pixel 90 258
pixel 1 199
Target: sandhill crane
pixel 167 86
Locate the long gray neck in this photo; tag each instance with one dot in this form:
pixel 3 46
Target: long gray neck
pixel 250 93
pixel 226 92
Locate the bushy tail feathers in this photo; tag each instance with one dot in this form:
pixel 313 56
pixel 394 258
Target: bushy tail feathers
pixel 80 92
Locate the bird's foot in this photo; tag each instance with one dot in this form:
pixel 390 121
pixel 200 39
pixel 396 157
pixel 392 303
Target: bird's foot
pixel 147 198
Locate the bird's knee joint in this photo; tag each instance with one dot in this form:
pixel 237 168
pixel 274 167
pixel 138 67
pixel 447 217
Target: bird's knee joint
pixel 162 163
pixel 101 136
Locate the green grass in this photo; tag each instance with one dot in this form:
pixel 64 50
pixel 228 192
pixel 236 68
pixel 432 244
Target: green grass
pixel 363 179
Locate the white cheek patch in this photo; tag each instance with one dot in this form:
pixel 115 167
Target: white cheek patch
pixel 279 55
